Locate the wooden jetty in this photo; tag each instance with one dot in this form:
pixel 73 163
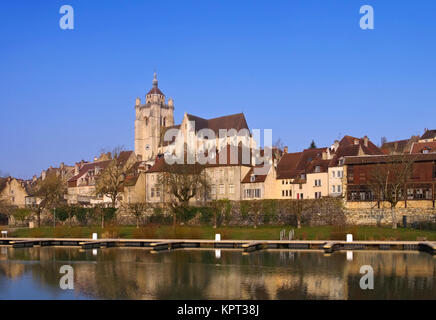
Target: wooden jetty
pixel 247 246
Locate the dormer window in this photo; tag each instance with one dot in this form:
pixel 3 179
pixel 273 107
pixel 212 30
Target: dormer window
pixel 341 161
pixel 317 169
pixel 253 178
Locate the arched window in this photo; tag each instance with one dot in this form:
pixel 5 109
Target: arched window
pixel 146 121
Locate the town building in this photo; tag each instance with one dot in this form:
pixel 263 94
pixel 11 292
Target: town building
pixel 14 191
pixel 348 147
pixel 81 188
pixel 418 190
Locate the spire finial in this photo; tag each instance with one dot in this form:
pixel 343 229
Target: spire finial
pixel 155 80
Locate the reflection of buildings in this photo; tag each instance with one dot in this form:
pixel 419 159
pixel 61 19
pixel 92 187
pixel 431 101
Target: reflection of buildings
pixel 122 273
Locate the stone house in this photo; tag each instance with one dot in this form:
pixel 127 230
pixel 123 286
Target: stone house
pixel 81 187
pixel 14 191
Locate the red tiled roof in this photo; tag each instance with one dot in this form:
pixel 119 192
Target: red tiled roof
pixel 419 147
pixel 257 178
pixel 292 165
pixel 90 166
pixel 347 148
pixel 287 166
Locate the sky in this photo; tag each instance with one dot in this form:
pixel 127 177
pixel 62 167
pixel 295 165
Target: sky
pixel 303 68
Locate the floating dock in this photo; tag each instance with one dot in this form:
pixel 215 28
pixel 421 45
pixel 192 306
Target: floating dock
pixel 247 246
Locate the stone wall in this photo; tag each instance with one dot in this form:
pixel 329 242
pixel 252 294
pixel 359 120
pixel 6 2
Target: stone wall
pixel 374 216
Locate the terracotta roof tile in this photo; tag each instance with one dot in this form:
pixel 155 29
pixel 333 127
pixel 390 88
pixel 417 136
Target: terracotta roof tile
pixel 419 147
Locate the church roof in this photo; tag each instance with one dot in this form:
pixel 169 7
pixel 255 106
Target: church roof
pixel 155 91
pixel 233 121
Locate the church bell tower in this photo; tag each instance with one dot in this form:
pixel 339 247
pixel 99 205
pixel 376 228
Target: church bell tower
pixel 151 118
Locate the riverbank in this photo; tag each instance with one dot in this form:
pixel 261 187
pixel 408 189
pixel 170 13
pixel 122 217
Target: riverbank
pixel 362 233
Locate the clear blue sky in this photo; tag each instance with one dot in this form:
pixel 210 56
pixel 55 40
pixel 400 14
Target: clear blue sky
pixel 303 68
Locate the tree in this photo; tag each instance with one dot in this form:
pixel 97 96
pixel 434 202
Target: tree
pixel 103 213
pixel 221 209
pixel 278 148
pixel 48 193
pixel 387 180
pixel 110 181
pixel 183 182
pixel 312 145
pixel 137 209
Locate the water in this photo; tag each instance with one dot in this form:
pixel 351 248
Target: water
pixel 128 273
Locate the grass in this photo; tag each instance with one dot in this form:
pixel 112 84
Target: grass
pixel 227 233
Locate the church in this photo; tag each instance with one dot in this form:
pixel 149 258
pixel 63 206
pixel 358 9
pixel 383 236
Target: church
pixel 156 116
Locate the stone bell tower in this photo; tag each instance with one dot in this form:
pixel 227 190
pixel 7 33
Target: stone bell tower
pixel 151 118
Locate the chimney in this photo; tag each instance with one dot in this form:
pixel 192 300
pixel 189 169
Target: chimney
pixel 34 178
pixel 62 165
pixel 76 169
pixel 95 159
pixel 356 141
pixel 365 141
pixel 285 149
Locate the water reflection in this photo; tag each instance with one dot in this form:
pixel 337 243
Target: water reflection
pixel 127 273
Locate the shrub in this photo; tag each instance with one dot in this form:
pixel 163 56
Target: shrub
pixel 61 213
pixel 81 215
pixel 159 217
pixel 22 215
pixel 206 215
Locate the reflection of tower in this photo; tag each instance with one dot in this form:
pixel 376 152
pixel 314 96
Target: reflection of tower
pixel 151 118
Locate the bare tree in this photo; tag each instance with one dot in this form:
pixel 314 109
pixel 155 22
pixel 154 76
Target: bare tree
pixel 278 147
pixel 48 193
pixel 221 208
pixel 183 182
pixel 137 209
pixel 110 181
pixel 387 180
